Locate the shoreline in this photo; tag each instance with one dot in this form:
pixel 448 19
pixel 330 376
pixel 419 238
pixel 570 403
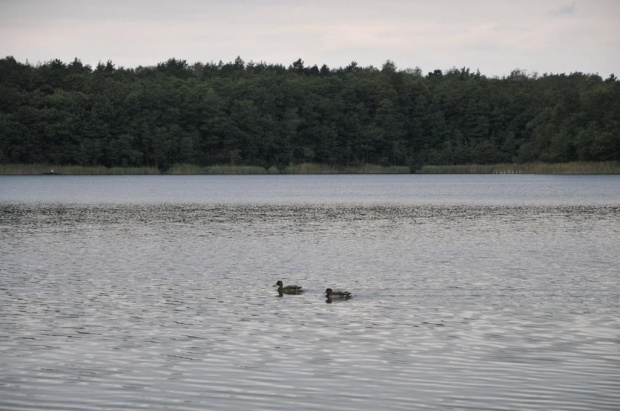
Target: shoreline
pixel 604 168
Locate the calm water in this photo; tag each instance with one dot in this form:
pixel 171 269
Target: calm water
pixel 470 292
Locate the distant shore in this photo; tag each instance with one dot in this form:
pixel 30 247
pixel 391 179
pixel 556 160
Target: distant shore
pixel 609 167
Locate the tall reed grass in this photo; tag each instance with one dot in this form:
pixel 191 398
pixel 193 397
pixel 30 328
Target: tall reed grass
pixel 303 168
pixel 30 169
pixel 186 169
pixel 227 169
pixel 608 167
pixel 313 168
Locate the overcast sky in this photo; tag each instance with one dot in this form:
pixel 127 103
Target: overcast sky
pixel 495 36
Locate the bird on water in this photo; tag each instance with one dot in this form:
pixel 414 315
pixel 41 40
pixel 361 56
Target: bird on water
pixel 337 295
pixel 289 289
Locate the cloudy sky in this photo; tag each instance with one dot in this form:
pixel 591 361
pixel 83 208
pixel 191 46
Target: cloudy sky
pixel 494 36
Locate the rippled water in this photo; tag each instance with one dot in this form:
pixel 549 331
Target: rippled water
pixel 470 292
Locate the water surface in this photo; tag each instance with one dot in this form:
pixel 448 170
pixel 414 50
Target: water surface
pixel 470 292
pixel 342 189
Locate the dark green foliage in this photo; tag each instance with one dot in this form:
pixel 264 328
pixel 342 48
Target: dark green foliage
pixel 252 113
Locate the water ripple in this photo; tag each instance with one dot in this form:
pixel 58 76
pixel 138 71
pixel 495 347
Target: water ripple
pixel 171 307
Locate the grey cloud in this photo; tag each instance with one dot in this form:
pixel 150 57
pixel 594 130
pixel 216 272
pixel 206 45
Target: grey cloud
pixel 493 35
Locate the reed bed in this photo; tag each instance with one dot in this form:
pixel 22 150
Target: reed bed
pixel 303 168
pixel 608 167
pixel 178 169
pixel 133 171
pixel 226 169
pixel 33 169
pixel 313 168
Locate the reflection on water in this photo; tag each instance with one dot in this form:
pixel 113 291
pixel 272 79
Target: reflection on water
pixel 133 306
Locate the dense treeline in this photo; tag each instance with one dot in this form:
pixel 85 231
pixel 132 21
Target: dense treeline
pixel 272 115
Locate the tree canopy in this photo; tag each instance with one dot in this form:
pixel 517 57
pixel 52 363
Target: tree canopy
pixel 256 113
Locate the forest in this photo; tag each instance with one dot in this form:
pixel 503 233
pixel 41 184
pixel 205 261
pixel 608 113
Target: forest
pixel 271 115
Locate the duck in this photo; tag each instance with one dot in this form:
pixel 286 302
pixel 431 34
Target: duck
pixel 337 295
pixel 289 289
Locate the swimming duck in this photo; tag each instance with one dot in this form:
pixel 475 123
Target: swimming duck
pixel 289 289
pixel 337 295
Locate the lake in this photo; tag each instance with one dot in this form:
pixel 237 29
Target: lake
pixel 470 292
